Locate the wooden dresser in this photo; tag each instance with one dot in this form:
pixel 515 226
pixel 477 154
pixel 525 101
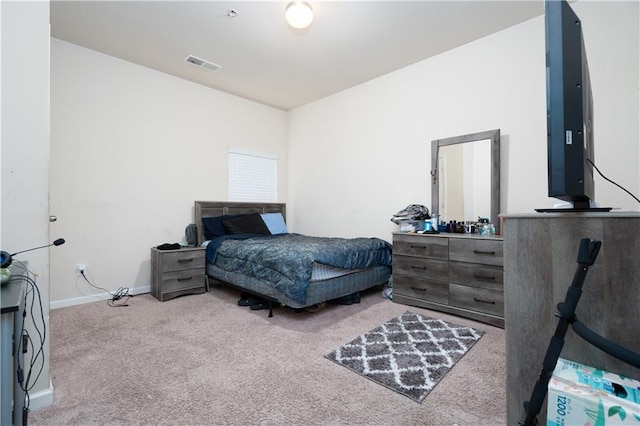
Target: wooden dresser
pixel 177 272
pixel 455 273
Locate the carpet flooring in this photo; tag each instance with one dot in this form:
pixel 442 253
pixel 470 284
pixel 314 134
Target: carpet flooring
pixel 203 360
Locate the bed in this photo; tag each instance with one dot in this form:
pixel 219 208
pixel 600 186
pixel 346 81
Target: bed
pixel 250 269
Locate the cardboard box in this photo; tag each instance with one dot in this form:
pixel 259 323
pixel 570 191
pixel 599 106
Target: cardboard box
pixel 586 396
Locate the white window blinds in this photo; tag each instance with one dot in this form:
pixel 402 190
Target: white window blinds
pixel 252 176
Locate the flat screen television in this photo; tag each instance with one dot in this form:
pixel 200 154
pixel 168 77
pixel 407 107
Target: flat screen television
pixel 570 150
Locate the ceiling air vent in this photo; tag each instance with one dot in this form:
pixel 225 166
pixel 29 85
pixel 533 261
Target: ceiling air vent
pixel 202 63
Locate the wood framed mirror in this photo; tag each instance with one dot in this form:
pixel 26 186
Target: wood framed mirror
pixel 465 177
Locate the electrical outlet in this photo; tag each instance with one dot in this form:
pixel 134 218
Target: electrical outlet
pixel 80 269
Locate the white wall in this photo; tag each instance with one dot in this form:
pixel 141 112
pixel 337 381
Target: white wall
pixel 359 156
pixel 131 150
pixel 25 160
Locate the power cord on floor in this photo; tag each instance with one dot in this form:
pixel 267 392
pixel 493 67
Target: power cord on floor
pixel 121 296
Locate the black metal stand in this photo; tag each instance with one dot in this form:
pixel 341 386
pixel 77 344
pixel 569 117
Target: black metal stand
pixel 586 257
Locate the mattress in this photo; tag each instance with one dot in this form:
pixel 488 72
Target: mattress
pixel 322 272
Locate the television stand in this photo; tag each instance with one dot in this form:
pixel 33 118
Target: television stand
pixel 575 210
pixel 536 246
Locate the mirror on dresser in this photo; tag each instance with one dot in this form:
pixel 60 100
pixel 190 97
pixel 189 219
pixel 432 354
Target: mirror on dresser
pixel 465 177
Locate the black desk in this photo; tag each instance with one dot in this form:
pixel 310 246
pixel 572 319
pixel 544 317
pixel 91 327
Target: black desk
pixel 11 394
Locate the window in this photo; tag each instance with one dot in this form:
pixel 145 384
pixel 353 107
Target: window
pixel 252 176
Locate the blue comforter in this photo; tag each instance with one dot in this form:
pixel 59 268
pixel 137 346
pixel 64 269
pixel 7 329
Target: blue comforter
pixel 285 261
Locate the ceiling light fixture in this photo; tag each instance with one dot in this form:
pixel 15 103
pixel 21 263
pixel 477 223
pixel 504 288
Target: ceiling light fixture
pixel 299 14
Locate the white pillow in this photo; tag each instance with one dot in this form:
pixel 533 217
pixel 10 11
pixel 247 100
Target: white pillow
pixel 275 223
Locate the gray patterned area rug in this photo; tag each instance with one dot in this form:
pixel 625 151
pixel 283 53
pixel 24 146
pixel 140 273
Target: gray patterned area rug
pixel 409 354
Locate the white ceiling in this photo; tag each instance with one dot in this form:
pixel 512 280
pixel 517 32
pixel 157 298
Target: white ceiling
pixel 265 60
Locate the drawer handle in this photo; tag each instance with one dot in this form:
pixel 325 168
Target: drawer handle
pixel 490 302
pixel 417 247
pixel 484 252
pixel 184 260
pixel 418 289
pixel 484 277
pixel 421 268
pixel 185 279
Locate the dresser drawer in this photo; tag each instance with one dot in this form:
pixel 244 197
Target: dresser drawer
pixel 416 245
pixel 421 267
pixel 472 250
pixel 179 260
pixel 420 288
pixel 477 275
pixel 477 299
pixel 181 280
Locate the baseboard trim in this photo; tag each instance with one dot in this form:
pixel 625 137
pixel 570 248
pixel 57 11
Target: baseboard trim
pixel 41 399
pixel 94 298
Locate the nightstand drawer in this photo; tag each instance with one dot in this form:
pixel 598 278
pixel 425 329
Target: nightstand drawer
pixel 181 280
pixel 477 275
pixel 421 267
pixel 419 288
pixel 476 251
pixel 477 299
pixel 414 245
pixel 179 260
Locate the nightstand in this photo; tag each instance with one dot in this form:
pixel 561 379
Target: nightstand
pixel 177 272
